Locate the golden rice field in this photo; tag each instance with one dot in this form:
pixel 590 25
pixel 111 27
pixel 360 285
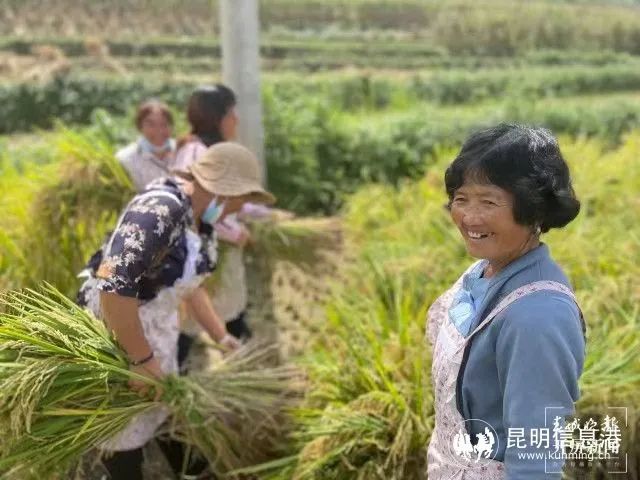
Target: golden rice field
pixel 368 410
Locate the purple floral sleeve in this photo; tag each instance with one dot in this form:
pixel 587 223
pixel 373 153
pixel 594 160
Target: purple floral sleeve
pixel 146 232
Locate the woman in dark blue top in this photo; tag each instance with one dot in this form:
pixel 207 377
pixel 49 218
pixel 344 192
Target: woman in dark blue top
pixel 508 336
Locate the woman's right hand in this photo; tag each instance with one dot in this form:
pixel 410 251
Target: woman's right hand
pixel 230 343
pixel 244 237
pixel 122 317
pixel 149 369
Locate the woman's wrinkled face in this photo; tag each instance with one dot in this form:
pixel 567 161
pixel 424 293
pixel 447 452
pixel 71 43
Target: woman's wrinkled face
pixel 484 215
pixel 229 125
pixel 156 128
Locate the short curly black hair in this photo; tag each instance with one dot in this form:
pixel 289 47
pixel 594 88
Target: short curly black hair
pixel 525 161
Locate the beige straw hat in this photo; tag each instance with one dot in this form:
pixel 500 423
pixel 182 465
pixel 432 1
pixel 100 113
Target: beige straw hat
pixel 229 169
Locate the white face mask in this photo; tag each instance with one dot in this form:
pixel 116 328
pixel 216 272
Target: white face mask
pixel 213 212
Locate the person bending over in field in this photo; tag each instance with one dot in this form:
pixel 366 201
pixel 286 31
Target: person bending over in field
pixel 160 252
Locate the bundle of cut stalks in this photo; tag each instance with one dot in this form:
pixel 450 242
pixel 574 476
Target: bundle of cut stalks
pixel 302 241
pixel 63 391
pixel 290 270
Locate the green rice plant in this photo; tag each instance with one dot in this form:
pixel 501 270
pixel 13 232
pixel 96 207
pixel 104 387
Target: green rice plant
pixel 368 413
pixel 61 211
pixel 64 391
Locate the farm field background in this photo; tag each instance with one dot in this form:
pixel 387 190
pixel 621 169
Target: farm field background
pixel 366 101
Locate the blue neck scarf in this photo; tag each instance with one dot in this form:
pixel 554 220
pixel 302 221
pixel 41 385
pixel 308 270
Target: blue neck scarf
pixel 467 301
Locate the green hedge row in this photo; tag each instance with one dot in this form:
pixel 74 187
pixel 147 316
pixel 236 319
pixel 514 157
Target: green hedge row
pixel 317 158
pixel 495 27
pixel 175 53
pixel 27 106
pixel 72 99
pixel 459 86
pixel 208 47
pixel 330 60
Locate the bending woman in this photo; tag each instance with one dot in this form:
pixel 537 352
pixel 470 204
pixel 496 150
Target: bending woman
pixel 161 250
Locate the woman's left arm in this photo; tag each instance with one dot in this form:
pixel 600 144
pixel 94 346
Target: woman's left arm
pixel 539 357
pixel 200 305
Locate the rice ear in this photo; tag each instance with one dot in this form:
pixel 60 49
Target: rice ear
pixel 63 392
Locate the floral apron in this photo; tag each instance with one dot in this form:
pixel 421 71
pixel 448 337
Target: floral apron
pixel 159 318
pixel 449 345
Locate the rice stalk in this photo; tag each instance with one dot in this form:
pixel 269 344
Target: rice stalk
pixel 63 391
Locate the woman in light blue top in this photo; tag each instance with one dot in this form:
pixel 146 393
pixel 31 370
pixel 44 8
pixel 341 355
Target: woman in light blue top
pixel 508 336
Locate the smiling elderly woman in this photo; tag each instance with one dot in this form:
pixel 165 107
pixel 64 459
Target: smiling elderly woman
pixel 508 336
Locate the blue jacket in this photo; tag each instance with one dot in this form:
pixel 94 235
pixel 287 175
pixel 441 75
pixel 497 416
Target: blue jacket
pixel 528 358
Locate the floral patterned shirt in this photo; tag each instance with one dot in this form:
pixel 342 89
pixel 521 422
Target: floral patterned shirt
pixel 147 250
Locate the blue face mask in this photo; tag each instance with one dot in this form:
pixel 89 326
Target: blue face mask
pixel 149 147
pixel 213 212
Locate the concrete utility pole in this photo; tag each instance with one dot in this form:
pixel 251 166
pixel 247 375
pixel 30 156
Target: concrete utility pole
pixel 240 29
